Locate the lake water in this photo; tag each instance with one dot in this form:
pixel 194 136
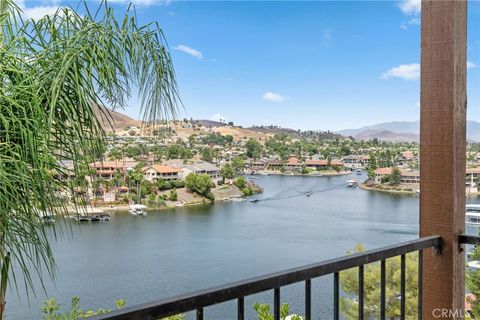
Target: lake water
pixel 172 252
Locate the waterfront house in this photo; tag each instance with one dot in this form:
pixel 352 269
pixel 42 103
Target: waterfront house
pixel 274 164
pixel 197 166
pixel 351 161
pixel 158 171
pixel 258 165
pixel 407 176
pixel 323 164
pixel 107 169
pixel 293 164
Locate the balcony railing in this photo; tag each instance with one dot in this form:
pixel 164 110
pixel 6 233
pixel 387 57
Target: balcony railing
pixel 197 301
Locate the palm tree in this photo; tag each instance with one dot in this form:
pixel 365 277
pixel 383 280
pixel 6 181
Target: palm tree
pixel 52 73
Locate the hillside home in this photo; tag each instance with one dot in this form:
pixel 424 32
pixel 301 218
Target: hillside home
pixel 158 171
pixel 198 167
pixel 107 169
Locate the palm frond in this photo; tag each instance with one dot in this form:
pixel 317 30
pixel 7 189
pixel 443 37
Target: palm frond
pixel 54 73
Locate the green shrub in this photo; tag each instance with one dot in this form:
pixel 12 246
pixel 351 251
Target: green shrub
pixel 240 183
pixel 173 196
pixel 51 310
pixel 247 191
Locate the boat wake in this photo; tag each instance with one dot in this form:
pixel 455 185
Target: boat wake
pixel 301 193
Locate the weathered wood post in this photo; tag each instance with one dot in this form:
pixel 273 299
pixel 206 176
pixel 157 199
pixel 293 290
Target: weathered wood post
pixel 443 148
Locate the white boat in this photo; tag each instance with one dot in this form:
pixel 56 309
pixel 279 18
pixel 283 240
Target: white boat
pixel 137 210
pixel 351 183
pixel 472 214
pixel 475 265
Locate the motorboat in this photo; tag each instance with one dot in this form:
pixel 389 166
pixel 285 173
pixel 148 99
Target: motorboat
pixel 137 210
pixel 351 183
pixel 359 171
pixel 254 200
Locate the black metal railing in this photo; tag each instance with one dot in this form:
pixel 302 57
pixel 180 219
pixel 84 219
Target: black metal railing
pixel 468 239
pixel 197 301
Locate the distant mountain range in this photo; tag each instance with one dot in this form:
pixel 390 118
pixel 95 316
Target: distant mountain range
pixel 402 131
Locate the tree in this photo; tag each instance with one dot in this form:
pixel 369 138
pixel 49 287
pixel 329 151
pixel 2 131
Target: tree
pixel 199 183
pixel 173 196
pixel 473 284
pixel 395 177
pixel 240 183
pixel 227 172
pixel 253 149
pixel 55 75
pixel 349 283
pixel 238 164
pixel 206 154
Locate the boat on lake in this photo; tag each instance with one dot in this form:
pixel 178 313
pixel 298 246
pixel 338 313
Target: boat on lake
pixel 137 210
pixel 254 200
pixel 359 171
pixel 472 214
pixel 352 183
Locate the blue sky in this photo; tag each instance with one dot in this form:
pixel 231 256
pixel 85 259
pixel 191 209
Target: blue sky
pixel 308 65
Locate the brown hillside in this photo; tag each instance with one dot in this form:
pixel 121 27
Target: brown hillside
pixel 115 121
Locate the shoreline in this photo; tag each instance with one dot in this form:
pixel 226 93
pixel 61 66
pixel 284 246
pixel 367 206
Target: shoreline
pixel 364 186
pixel 291 174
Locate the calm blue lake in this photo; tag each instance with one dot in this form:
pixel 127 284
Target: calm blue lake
pixel 172 252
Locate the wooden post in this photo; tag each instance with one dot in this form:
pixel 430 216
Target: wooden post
pixel 443 147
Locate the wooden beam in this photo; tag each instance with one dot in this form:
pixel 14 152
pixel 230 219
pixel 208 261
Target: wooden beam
pixel 443 147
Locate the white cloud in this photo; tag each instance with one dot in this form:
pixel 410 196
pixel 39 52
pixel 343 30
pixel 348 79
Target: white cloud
pixel 38 12
pixel 190 51
pixel 410 6
pixel 273 97
pixel 218 117
pixel 471 65
pixel 405 71
pixel 412 21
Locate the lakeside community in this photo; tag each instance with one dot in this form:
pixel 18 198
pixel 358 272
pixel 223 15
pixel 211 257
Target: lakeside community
pixel 190 162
